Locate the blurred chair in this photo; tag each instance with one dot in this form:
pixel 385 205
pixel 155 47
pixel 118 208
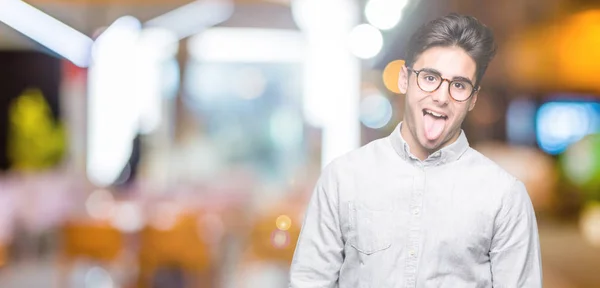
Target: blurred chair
pixel 176 247
pixel 270 247
pixel 269 243
pixel 89 240
pixel 276 230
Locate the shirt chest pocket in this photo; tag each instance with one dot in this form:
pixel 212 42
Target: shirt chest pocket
pixel 370 230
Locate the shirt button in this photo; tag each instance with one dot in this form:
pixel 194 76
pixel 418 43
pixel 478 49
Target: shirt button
pixel 416 212
pixel 412 253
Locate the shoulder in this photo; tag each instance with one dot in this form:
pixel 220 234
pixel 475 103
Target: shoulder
pixel 486 169
pixel 356 161
pixel 505 187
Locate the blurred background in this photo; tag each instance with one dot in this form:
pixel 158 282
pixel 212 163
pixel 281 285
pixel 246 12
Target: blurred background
pixel 175 143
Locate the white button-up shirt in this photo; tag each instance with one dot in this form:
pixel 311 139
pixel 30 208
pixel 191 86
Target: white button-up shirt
pixel 379 217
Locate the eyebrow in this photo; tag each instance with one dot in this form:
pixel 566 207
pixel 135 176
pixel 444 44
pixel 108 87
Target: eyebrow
pixel 455 78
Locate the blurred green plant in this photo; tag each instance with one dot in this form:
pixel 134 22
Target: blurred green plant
pixel 580 164
pixel 35 140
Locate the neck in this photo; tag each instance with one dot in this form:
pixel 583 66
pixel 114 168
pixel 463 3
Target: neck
pixel 415 148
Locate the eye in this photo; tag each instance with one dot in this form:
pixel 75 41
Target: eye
pixel 430 77
pixel 460 85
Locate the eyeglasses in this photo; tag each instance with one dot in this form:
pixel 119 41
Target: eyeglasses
pixel 429 81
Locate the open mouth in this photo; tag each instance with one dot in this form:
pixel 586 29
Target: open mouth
pixel 433 124
pixel 434 114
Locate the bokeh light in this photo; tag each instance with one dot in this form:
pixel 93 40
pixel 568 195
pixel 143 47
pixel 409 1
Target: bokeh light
pixel 314 15
pixel 384 14
pixel 157 134
pixel 249 83
pixel 590 223
pixel 97 277
pixel 283 222
pixel 366 41
pixel 100 204
pixel 559 124
pixel 581 165
pixel 158 43
pixel 280 239
pixel 128 217
pixel 165 216
pixel 391 75
pixel 375 111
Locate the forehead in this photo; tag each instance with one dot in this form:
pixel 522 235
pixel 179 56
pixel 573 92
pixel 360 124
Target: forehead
pixel 450 61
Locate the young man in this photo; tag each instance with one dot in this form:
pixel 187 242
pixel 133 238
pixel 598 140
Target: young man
pixel 420 208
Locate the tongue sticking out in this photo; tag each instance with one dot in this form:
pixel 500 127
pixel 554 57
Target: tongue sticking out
pixel 433 126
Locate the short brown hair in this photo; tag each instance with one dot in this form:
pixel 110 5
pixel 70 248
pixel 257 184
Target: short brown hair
pixel 458 30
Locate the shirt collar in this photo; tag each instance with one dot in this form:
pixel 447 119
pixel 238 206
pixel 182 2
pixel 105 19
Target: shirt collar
pixel 447 154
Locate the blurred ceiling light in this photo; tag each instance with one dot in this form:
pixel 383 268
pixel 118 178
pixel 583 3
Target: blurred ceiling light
pixel 113 120
pixel 247 45
pixel 366 41
pixel 123 33
pixel 318 15
pixel 331 74
pixel 192 18
pixel 155 46
pixel 384 14
pixel 391 74
pixel 158 43
pixel 375 111
pixel 46 30
pixel 125 81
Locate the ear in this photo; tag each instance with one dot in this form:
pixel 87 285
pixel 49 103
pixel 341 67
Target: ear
pixel 403 80
pixel 473 100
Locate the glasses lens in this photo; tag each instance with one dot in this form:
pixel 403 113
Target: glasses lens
pixel 461 90
pixel 429 81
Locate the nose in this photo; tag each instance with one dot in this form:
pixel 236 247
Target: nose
pixel 442 95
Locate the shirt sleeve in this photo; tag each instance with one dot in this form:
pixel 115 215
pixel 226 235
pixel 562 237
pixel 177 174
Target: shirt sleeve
pixel 319 251
pixel 515 250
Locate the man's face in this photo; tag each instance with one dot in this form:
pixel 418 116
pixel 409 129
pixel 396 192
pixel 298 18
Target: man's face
pixel 431 133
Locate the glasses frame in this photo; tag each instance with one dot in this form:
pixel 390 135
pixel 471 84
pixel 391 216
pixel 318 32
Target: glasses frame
pixel 410 69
